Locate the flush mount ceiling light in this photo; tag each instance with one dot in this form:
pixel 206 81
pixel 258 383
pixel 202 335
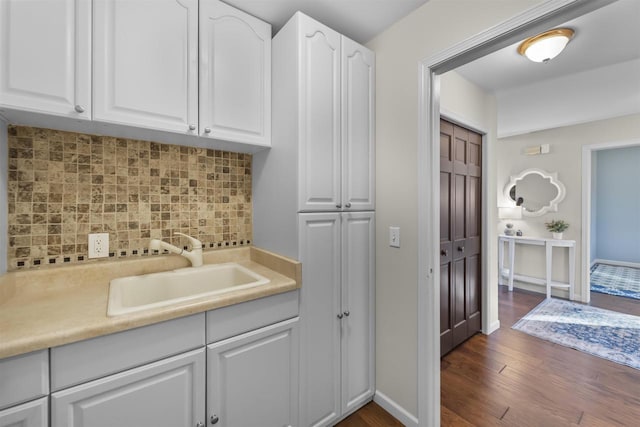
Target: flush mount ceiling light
pixel 546 46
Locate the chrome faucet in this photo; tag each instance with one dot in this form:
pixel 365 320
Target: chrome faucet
pixel 194 255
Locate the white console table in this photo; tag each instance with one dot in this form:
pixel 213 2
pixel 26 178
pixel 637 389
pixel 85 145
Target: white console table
pixel 548 244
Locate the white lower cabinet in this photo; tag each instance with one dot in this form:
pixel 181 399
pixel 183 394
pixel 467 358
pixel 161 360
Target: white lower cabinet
pixel 165 374
pixel 337 305
pixel 31 414
pixel 170 393
pixel 252 379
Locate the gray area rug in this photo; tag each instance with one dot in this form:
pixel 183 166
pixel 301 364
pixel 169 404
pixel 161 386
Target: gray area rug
pixel 615 280
pixel 603 333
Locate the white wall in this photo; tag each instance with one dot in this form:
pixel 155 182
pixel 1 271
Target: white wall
pixel 4 188
pixel 565 158
pixel 437 25
pixel 617 218
pixel 570 100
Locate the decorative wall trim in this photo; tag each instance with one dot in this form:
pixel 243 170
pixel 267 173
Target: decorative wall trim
pixel 394 409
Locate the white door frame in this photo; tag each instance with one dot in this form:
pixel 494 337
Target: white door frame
pixel 587 152
pixel 537 19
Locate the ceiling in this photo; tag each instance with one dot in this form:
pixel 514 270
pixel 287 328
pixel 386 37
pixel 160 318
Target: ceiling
pixel 606 36
pixel 360 20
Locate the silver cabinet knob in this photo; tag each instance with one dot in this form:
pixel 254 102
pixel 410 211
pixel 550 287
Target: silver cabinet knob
pixel 192 127
pixel 348 205
pixel 199 424
pixel 339 315
pixel 207 130
pixel 214 419
pixel 338 206
pixel 79 109
pixel 346 313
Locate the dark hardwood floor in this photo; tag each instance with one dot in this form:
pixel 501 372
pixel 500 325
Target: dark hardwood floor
pixel 512 379
pixel 370 415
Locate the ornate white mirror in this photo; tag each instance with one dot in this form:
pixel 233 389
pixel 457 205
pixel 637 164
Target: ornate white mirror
pixel 536 190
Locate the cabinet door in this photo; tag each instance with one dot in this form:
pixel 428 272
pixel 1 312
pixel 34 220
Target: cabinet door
pixel 31 414
pixel 168 393
pixel 358 304
pixel 358 126
pixel 252 379
pixel 45 56
pixel 319 117
pixel 146 63
pixel 235 75
pixel 320 323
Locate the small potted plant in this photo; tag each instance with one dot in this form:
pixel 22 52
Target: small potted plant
pixel 556 227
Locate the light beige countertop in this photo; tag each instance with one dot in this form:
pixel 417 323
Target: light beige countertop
pixel 49 307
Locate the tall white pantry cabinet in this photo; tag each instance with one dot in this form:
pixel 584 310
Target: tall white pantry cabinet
pixel 314 201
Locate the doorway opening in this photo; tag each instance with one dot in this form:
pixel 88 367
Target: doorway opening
pixel 531 22
pixel 611 265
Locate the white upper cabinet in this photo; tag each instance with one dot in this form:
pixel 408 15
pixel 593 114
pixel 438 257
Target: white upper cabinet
pixel 336 121
pixel 45 62
pixel 144 69
pixel 358 132
pixel 146 63
pixel 319 117
pixel 235 75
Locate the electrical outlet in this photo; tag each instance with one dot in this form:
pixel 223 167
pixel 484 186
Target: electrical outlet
pixel 98 245
pixel 394 237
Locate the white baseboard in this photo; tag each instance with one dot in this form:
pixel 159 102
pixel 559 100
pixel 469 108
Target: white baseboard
pixel 394 409
pixel 492 328
pixel 619 263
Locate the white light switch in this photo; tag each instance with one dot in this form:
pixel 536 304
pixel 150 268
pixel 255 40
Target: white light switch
pixel 394 237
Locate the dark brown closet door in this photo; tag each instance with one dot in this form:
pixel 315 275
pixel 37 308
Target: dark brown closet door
pixel 460 234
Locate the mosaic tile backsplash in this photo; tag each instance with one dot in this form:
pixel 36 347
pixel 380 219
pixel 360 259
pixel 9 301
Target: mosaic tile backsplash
pixel 64 185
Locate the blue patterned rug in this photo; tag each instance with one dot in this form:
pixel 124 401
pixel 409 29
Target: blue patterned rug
pixel 616 280
pixel 603 333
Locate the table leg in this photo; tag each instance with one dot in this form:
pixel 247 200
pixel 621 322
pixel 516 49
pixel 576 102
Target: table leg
pixel 512 253
pixel 572 271
pixel 500 261
pixel 548 253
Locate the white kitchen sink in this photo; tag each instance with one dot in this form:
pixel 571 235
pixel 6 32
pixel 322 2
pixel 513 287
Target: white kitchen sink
pixel 136 293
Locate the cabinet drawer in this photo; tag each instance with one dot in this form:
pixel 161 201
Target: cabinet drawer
pixel 24 377
pixel 240 318
pixel 79 362
pixel 31 414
